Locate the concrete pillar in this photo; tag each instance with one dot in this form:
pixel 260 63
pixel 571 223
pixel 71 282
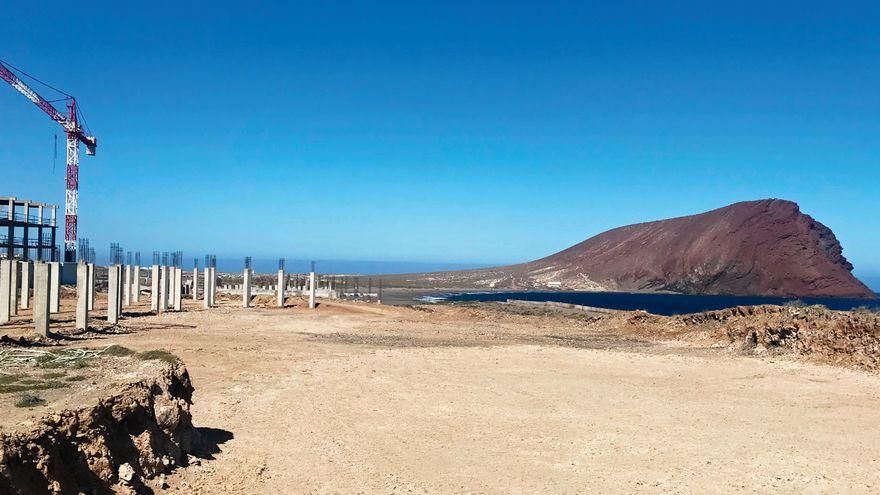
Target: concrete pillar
pixel 178 283
pixel 126 286
pixel 195 293
pixel 213 280
pixel 91 286
pixel 54 286
pixel 312 290
pixel 280 288
pixel 25 285
pixel 136 284
pixel 154 287
pixel 13 288
pixel 120 290
pixel 207 284
pixel 246 288
pixel 5 290
pixel 172 289
pixel 164 287
pixel 114 276
pixel 42 295
pixel 82 296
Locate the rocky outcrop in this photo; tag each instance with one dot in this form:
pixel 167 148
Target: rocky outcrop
pixel 143 432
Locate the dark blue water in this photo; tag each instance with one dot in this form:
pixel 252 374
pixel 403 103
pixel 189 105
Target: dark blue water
pixel 660 304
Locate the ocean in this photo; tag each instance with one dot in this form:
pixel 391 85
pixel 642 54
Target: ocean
pixel 660 304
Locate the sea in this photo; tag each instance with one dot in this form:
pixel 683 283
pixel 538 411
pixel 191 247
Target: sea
pixel 660 304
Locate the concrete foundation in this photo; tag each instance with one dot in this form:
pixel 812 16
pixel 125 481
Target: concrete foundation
pixel 114 284
pixel 91 286
pixel 42 294
pixel 25 295
pixel 82 296
pixel 178 283
pixel 280 288
pixel 5 290
pixel 54 287
pixel 312 290
pixel 246 288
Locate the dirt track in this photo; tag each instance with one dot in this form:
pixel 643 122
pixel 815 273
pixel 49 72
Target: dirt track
pixel 356 398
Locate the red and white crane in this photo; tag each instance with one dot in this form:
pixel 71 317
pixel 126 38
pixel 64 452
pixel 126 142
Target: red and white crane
pixel 75 135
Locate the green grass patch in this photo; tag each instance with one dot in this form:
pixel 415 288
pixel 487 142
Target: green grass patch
pixel 26 387
pixel 30 400
pixel 118 351
pixel 158 355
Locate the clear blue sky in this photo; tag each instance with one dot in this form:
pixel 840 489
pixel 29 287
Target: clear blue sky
pixel 473 132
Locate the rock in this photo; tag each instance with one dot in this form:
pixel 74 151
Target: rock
pixel 126 473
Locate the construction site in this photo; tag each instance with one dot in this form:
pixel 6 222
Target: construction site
pixel 130 375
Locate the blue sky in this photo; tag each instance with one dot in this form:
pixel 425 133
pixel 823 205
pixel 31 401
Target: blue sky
pixel 445 132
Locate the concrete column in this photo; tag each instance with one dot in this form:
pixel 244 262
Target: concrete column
pixel 136 285
pixel 42 294
pixel 5 290
pixel 195 293
pixel 312 290
pixel 120 290
pixel 178 284
pixel 154 287
pixel 164 287
pixel 13 288
pixel 126 286
pixel 114 275
pixel 246 288
pixel 280 288
pixel 91 286
pixel 82 296
pixel 213 280
pixel 172 290
pixel 54 286
pixel 207 284
pixel 25 285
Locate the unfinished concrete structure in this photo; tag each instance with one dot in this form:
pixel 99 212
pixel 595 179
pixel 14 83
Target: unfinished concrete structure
pixel 195 286
pixel 208 283
pixel 154 287
pixel 178 282
pixel 82 296
pixel 164 287
pixel 41 299
pixel 25 295
pixel 25 232
pixel 54 287
pixel 13 288
pixel 246 288
pixel 312 290
pixel 282 283
pixel 136 284
pixel 91 286
pixel 5 290
pixel 126 286
pixel 114 283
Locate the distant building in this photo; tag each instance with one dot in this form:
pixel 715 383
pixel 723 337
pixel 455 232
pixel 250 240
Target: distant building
pixel 554 285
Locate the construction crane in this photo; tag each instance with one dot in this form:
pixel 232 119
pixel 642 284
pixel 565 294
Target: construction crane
pixel 75 135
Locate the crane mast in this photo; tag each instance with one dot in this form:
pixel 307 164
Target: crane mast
pixel 75 135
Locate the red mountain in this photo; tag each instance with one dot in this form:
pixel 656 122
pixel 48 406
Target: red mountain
pixel 765 247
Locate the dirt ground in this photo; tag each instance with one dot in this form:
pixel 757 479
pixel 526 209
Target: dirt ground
pixel 355 398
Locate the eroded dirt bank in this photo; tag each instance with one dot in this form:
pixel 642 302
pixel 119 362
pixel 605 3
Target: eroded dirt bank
pixel 141 432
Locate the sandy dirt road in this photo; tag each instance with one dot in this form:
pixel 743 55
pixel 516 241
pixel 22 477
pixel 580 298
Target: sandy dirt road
pixel 362 399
